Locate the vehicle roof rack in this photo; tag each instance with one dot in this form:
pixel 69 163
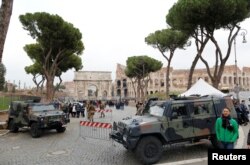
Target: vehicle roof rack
pixel 187 97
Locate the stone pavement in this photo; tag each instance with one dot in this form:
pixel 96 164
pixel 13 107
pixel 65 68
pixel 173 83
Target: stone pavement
pixel 70 148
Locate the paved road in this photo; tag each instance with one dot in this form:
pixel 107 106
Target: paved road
pixel 70 148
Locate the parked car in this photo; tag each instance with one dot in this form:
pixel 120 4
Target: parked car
pixel 37 116
pixel 169 122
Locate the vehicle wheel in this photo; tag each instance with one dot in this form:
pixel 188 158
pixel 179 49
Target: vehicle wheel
pixel 215 142
pixel 61 129
pixel 149 150
pixel 12 126
pixel 35 130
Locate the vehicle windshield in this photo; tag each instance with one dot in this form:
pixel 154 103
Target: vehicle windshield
pixel 156 110
pixel 43 108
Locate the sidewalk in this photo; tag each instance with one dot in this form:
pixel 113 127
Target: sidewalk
pixel 3 124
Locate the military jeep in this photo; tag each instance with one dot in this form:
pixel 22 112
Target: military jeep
pixel 169 122
pixel 37 116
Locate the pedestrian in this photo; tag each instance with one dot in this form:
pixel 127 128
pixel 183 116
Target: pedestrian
pixel 244 112
pixel 226 130
pixel 70 109
pixel 74 110
pixel 82 109
pixel 239 112
pixel 248 139
pixel 243 105
pixel 78 110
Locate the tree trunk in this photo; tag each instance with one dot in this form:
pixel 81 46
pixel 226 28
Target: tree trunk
pixel 133 85
pixel 50 88
pixel 191 72
pixel 200 45
pixel 138 90
pixel 220 60
pixel 168 71
pixel 5 14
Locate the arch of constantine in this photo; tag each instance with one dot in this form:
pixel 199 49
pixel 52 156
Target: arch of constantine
pixel 93 85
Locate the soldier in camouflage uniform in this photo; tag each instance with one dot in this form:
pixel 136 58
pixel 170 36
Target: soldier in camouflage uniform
pixel 91 112
pixel 102 106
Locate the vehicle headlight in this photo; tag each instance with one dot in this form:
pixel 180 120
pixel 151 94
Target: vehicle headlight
pixel 124 138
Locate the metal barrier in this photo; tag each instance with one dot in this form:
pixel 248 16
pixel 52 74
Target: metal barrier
pixel 95 130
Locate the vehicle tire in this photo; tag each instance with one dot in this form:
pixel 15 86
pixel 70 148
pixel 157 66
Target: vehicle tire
pixel 215 142
pixel 61 129
pixel 35 130
pixel 149 150
pixel 12 126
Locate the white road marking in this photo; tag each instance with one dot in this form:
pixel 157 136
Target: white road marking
pixel 240 142
pixel 185 161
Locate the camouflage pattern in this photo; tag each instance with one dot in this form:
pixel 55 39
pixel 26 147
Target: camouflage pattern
pixel 174 121
pixel 38 116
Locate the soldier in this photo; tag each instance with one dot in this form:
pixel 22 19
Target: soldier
pixel 87 108
pixel 140 109
pixel 102 106
pixel 91 112
pixel 226 130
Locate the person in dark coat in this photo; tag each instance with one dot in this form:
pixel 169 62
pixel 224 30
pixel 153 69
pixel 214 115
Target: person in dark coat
pixel 244 111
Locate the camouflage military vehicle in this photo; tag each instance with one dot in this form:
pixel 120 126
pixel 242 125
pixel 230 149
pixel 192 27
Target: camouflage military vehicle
pixel 37 116
pixel 170 122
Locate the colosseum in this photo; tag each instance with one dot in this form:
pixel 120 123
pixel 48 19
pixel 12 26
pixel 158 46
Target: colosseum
pixel 179 80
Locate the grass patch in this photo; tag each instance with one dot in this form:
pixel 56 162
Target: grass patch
pixel 5 101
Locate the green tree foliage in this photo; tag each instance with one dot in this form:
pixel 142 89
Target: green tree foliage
pixel 57 48
pixel 2 76
pixel 138 70
pixel 167 40
pixel 36 71
pixel 201 18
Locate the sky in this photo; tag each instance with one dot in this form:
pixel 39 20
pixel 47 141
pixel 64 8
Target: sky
pixel 112 31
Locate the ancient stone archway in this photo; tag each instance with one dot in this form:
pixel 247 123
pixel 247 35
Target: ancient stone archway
pixel 93 85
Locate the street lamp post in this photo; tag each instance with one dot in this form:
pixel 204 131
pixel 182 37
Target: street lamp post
pixel 237 87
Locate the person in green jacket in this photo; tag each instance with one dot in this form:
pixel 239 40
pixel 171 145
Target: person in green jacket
pixel 226 130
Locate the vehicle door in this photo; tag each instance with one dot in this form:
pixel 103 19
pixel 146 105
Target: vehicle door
pixel 204 117
pixel 220 104
pixel 179 123
pixel 20 118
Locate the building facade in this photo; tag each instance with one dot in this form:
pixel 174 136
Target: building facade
pixel 90 85
pixel 179 79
